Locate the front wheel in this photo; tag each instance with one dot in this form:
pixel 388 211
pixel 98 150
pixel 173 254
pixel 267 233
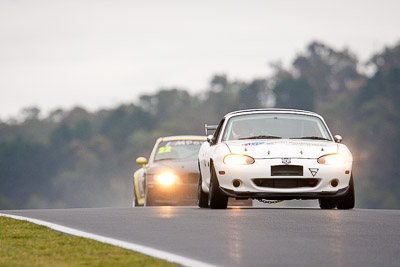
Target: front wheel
pixel 135 201
pixel 202 197
pixel 136 194
pixel 347 201
pixel 217 200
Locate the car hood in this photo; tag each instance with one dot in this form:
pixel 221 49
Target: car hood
pixel 282 148
pixel 176 166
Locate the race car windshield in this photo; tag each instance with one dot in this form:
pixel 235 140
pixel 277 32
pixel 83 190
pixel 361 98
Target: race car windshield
pixel 178 150
pixel 275 126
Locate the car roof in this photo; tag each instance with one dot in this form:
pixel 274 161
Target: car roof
pixel 272 110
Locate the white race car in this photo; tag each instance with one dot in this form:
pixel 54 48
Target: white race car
pixel 274 154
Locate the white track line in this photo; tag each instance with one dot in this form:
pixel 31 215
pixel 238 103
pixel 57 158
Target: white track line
pixel 131 246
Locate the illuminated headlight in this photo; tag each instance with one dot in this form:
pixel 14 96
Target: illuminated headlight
pixel 166 178
pixel 332 159
pixel 237 159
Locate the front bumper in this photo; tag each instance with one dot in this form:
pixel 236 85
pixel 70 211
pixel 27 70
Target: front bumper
pixel 261 169
pixel 176 194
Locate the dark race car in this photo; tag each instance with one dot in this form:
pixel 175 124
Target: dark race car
pixel 170 176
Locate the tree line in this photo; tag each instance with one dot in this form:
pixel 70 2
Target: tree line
pixel 76 158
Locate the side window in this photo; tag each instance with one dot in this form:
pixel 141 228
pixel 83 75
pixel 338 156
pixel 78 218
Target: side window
pixel 217 132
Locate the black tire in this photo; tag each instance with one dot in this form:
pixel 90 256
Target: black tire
pixel 327 203
pixel 216 199
pixel 347 201
pixel 202 197
pixel 135 201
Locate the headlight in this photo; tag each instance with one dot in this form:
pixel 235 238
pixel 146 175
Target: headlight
pixel 332 159
pixel 237 159
pixel 166 178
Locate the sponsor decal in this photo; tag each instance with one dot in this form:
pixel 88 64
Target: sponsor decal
pixel 184 143
pixel 253 144
pixel 286 161
pixel 294 143
pixel 313 171
pixel 164 149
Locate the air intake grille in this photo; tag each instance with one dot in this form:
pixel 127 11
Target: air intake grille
pixel 286 183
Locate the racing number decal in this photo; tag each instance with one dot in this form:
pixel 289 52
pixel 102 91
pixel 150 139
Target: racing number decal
pixel 164 149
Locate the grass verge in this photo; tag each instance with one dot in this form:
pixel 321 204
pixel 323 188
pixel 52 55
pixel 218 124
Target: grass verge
pixel 27 244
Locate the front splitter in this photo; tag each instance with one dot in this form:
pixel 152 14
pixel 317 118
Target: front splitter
pixel 284 196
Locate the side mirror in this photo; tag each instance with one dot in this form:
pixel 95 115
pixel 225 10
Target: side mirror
pixel 141 161
pixel 210 139
pixel 210 128
pixel 338 138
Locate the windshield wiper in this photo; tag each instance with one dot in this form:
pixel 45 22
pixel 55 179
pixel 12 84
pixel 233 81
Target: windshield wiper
pixel 311 137
pixel 261 137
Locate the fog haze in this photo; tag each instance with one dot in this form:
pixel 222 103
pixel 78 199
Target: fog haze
pixel 102 53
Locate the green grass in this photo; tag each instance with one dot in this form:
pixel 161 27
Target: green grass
pixel 27 244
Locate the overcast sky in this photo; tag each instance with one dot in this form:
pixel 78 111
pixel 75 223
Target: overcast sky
pixel 98 54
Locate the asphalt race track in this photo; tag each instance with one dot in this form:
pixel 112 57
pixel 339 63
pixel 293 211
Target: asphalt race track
pixel 246 236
